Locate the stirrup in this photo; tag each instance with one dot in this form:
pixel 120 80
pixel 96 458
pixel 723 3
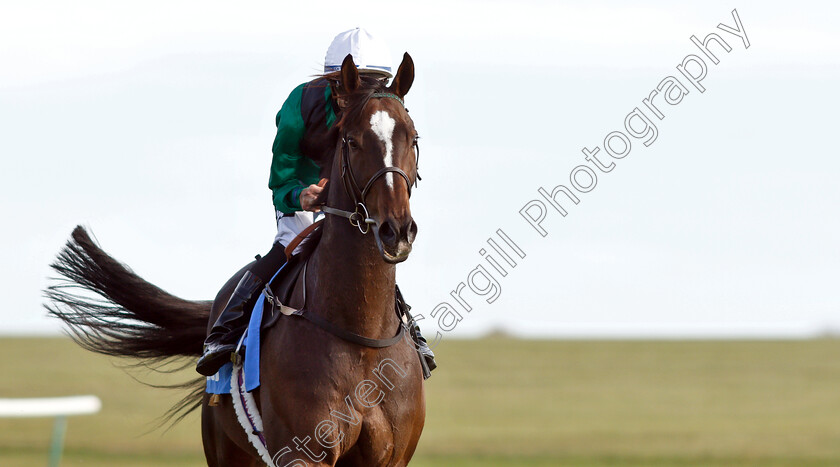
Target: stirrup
pixel 424 352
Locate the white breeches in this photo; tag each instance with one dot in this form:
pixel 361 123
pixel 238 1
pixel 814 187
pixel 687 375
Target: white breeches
pixel 290 225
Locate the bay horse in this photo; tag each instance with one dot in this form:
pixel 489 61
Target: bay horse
pixel 324 400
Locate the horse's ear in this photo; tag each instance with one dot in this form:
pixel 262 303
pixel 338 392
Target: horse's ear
pixel 349 75
pixel 405 76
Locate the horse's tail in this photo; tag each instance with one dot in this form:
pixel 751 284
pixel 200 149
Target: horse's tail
pixel 128 317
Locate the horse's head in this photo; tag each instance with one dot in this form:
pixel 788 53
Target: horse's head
pixel 376 159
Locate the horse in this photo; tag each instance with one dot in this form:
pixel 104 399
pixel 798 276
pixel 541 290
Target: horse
pixel 325 399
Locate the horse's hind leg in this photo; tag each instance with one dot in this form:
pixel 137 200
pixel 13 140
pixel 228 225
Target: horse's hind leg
pixel 218 429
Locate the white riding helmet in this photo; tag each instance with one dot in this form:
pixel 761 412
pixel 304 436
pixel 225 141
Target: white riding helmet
pixel 369 54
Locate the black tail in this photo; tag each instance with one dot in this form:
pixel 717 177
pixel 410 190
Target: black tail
pixel 128 317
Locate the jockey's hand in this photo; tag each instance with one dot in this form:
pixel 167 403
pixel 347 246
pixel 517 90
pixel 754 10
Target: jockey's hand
pixel 309 196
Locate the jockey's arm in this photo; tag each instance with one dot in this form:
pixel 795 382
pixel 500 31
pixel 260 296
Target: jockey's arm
pixel 291 172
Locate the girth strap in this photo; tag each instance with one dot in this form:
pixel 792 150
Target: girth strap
pixel 347 335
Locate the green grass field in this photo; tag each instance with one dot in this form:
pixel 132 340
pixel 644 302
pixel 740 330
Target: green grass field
pixel 498 402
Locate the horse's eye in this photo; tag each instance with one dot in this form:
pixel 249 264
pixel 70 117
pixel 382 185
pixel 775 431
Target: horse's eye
pixel 352 143
pixel 416 140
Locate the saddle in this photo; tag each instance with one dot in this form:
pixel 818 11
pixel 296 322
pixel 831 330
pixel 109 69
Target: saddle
pixel 279 289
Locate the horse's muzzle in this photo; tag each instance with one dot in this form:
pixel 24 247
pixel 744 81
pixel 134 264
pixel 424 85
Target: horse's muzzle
pixel 394 238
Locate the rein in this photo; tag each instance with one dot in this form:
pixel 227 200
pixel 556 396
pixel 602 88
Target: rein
pixel 360 217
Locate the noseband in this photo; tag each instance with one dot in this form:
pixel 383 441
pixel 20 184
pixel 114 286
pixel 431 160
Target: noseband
pixel 360 217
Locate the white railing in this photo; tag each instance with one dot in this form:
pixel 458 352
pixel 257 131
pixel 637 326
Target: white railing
pixel 58 407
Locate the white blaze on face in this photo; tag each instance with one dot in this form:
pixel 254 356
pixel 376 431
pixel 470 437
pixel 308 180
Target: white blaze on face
pixel 383 126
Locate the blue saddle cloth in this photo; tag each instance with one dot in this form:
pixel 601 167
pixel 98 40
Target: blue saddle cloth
pixel 220 382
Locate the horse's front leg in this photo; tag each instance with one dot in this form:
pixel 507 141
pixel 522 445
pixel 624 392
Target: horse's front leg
pixel 290 429
pixel 296 447
pixel 298 435
pixel 289 456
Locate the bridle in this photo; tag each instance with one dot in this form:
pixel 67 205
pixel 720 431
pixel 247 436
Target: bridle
pixel 360 217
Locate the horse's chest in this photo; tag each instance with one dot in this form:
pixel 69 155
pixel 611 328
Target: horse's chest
pixel 357 403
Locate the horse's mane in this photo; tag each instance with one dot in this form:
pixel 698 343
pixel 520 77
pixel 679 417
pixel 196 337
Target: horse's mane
pixel 370 85
pixel 320 144
pixel 357 101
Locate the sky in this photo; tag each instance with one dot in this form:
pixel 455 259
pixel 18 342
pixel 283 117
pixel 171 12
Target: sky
pixel 151 124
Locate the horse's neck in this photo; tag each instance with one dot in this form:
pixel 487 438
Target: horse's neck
pixel 350 283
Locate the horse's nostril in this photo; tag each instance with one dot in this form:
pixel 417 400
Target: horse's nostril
pixel 411 231
pixel 387 233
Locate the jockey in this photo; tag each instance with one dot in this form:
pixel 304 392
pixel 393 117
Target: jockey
pixel 311 108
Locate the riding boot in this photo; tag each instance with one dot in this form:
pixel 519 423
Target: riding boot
pixel 428 357
pixel 228 328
